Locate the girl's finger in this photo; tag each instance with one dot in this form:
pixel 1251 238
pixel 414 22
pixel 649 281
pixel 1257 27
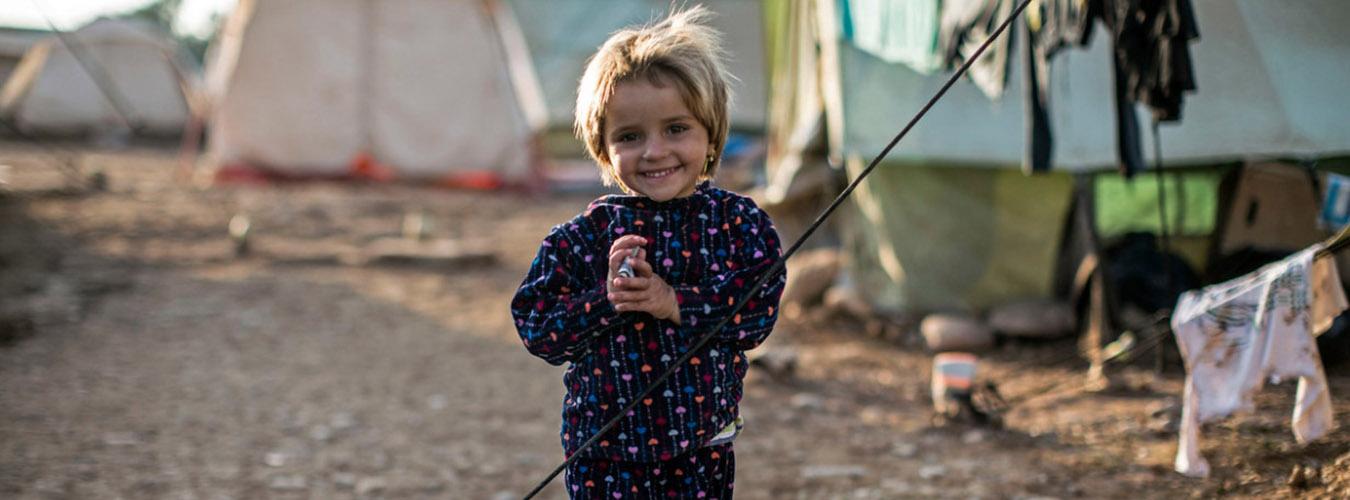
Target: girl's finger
pixel 633 284
pixel 617 297
pixel 643 268
pixel 624 245
pixel 623 248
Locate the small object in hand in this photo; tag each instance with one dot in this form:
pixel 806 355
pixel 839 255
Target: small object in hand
pixel 626 268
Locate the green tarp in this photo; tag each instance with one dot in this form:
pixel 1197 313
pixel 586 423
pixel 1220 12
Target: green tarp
pixel 942 237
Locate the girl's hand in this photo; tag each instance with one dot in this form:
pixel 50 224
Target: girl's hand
pixel 644 292
pixel 623 249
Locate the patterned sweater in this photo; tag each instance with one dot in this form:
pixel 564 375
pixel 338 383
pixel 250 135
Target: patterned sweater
pixel 710 247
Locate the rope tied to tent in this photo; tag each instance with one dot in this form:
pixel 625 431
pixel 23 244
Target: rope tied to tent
pixel 778 266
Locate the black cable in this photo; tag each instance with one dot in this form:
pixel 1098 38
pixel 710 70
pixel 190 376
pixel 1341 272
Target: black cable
pixel 778 266
pixel 97 73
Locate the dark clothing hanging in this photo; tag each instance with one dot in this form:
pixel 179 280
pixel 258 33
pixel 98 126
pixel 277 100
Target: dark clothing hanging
pixel 1152 51
pixel 1051 26
pixel 965 24
pixel 1152 65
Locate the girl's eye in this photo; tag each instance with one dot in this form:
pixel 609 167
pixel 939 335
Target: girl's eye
pixel 626 137
pixel 677 128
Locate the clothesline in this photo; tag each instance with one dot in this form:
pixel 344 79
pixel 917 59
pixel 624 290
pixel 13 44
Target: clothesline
pixel 1335 243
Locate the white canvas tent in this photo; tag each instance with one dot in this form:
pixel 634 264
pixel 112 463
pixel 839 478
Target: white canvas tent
pixel 51 91
pixel 430 89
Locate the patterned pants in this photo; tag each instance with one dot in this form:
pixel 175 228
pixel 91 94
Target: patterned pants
pixel 706 473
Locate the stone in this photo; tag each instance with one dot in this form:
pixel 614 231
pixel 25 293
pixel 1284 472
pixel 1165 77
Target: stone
pixel 813 272
pixel 341 421
pixel 275 459
pixel 832 471
pixel 1303 477
pixel 288 483
pixel 344 480
pixel 972 437
pixel 897 486
pixel 777 361
pixel 933 471
pixel 1165 425
pixel 843 299
pixel 1166 408
pixel 905 450
pixel 370 485
pixel 1044 319
pixel 438 402
pixel 950 332
pixel 811 402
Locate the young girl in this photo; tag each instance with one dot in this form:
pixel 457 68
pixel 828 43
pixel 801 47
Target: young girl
pixel 652 110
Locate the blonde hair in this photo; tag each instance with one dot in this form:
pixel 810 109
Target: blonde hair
pixel 682 49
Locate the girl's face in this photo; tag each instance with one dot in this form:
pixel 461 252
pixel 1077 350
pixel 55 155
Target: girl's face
pixel 654 142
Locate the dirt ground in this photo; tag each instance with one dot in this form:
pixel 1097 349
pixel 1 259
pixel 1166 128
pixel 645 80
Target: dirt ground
pixel 140 359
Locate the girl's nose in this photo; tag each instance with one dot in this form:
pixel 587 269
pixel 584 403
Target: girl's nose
pixel 656 149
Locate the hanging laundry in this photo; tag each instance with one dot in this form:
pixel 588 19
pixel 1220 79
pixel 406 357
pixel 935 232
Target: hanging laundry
pixel 1051 25
pixel 1236 335
pixel 1152 65
pixel 1328 294
pixel 966 24
pixel 897 31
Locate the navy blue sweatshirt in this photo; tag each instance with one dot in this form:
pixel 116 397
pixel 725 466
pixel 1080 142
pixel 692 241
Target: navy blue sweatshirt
pixel 710 247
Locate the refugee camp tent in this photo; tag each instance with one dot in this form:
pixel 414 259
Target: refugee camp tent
pixel 123 73
pixel 948 221
pixel 563 35
pixel 436 90
pixel 14 42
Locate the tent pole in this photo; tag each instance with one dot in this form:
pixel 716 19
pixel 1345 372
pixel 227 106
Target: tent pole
pixel 1165 244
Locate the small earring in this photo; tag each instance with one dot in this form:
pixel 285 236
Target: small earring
pixel 707 165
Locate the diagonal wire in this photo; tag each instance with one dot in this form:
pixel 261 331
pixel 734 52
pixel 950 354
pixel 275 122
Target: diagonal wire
pixel 778 266
pixel 96 72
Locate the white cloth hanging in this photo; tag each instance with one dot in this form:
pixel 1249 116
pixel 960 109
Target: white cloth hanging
pixel 1236 335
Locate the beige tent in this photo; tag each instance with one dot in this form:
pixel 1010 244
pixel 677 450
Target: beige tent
pixel 428 89
pixel 51 91
pixel 14 43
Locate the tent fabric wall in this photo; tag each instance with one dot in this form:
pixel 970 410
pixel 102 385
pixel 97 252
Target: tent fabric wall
pixel 14 42
pixel 51 92
pixel 306 87
pixel 1283 63
pixel 563 35
pixel 418 81
pixel 939 238
pixel 288 95
pixel 924 238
